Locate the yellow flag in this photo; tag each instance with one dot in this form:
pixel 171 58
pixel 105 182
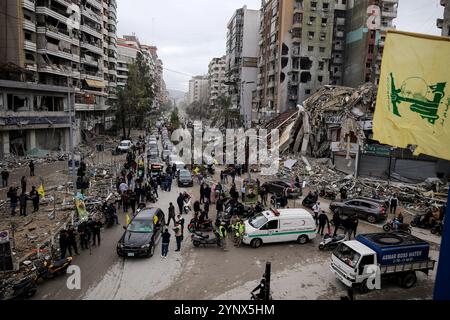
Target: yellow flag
pixel 41 191
pixel 128 219
pixel 414 94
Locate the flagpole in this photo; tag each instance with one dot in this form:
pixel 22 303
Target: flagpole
pixel 442 284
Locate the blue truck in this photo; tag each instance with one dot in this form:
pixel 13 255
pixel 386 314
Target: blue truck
pixel 363 262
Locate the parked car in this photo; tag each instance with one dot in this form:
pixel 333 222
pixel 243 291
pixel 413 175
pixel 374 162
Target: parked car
pixel 142 234
pixel 185 178
pixel 278 187
pixel 125 146
pixel 165 155
pixel 367 209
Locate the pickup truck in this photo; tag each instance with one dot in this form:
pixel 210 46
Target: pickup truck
pixel 395 256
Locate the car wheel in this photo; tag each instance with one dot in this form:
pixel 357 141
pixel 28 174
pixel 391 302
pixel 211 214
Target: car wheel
pixel 321 247
pixel 151 251
pixel 196 244
pixel 372 219
pixel 363 289
pixel 302 239
pixel 386 228
pixel 256 243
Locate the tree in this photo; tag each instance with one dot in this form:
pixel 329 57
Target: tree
pixel 175 119
pixel 136 98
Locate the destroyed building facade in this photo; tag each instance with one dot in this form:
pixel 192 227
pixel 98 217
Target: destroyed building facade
pixel 444 23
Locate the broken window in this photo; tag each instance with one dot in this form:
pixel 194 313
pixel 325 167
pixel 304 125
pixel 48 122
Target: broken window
pixel 326 6
pixel 305 63
pixel 17 103
pixel 307 91
pixel 284 62
pixel 305 77
pixel 311 35
pixel 322 49
pixel 324 20
pixel 321 65
pixel 282 77
pixel 298 17
pixel 310 48
pixel 320 78
pixel 284 49
pixel 313 4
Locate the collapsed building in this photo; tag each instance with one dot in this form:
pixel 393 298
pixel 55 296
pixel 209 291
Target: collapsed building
pixel 336 123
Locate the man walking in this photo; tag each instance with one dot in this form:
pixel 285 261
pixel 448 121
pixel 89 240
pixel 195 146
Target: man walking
pixel 72 241
pixel 171 215
pixel 180 221
pixel 178 236
pixel 180 203
pixel 206 209
pixel 337 222
pixel 96 227
pixel 13 199
pixel 165 243
pixel 31 165
pixel 23 198
pixel 5 177
pixel 63 239
pixel 323 220
pixel 219 206
pixel 393 204
pixel 316 210
pixel 34 196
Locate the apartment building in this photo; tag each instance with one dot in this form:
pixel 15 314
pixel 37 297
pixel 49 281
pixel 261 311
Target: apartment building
pixel 198 90
pixel 217 79
pixel 61 43
pixel 444 23
pixel 128 48
pixel 364 46
pixel 242 59
pixel 295 53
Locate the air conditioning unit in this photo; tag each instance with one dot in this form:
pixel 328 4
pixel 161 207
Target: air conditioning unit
pixel 324 24
pixel 311 37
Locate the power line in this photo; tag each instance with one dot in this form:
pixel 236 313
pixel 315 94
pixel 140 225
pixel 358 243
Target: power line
pixel 179 72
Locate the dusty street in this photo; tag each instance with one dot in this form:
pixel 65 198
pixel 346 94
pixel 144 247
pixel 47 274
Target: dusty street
pixel 298 272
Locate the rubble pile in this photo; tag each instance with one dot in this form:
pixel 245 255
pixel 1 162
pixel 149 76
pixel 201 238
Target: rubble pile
pixel 320 174
pixel 347 105
pixel 38 156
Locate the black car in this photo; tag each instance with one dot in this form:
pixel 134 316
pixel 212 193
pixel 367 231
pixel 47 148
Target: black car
pixel 367 209
pixel 185 178
pixel 142 234
pixel 278 187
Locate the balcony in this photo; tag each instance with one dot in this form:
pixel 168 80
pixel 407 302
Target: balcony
pixel 90 61
pixel 92 48
pixel 296 38
pixel 297 25
pixel 98 76
pixel 293 82
pixel 95 4
pixel 337 60
pixel 338 47
pixel 59 70
pixel 31 66
pixel 293 97
pixel 54 33
pixel 30 46
pixel 50 13
pixel 340 34
pixel 90 30
pixel 29 25
pixel 55 51
pixel 391 13
pixel 91 15
pixel 340 21
pixel 29 4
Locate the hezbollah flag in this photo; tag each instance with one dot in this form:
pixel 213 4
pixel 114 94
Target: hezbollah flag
pixel 414 94
pixel 41 191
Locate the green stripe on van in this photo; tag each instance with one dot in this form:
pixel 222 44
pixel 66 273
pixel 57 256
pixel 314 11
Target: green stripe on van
pixel 281 234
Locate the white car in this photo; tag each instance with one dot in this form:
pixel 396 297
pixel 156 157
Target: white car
pixel 125 146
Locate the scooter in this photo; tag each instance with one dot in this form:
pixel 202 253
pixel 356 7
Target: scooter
pixel 328 194
pixel 49 269
pixel 23 289
pixel 392 226
pixel 330 242
pixel 420 221
pixel 205 226
pixel 199 239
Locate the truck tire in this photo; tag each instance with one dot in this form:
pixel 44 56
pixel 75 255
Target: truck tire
pixel 409 280
pixel 302 239
pixel 256 243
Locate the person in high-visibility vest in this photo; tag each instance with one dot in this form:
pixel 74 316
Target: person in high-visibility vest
pixel 239 229
pixel 223 236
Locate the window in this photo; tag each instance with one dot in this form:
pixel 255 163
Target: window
pixel 271 225
pixel 322 49
pixel 365 261
pixel 308 91
pixel 324 20
pixel 310 48
pixel 326 6
pixel 321 65
pixel 320 78
pixel 313 4
pixel 311 34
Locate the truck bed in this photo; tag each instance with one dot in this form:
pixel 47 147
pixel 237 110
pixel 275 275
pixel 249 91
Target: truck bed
pixel 424 266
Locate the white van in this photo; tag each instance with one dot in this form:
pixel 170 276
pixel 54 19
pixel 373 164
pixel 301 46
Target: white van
pixel 282 225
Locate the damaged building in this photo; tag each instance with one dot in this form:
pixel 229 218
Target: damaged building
pixel 33 116
pixel 336 123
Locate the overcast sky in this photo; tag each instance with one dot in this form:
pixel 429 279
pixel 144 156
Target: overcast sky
pixel 189 33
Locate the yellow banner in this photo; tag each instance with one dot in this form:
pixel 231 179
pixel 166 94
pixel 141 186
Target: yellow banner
pixel 41 191
pixel 414 94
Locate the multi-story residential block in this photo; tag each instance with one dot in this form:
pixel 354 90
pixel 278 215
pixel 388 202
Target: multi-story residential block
pixel 295 52
pixel 128 48
pixel 242 59
pixel 65 44
pixel 363 46
pixel 444 23
pixel 217 78
pixel 198 90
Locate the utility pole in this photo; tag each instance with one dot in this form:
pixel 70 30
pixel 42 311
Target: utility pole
pixel 71 137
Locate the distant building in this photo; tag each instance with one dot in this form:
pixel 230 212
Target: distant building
pixel 198 90
pixel 216 80
pixel 444 23
pixel 242 59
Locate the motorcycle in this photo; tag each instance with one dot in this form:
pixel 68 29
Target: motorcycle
pixel 330 242
pixel 327 193
pixel 49 269
pixel 420 221
pixel 199 239
pixel 438 228
pixel 205 226
pixel 392 226
pixel 23 289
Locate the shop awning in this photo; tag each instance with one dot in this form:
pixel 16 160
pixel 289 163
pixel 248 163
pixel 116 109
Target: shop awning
pixel 95 83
